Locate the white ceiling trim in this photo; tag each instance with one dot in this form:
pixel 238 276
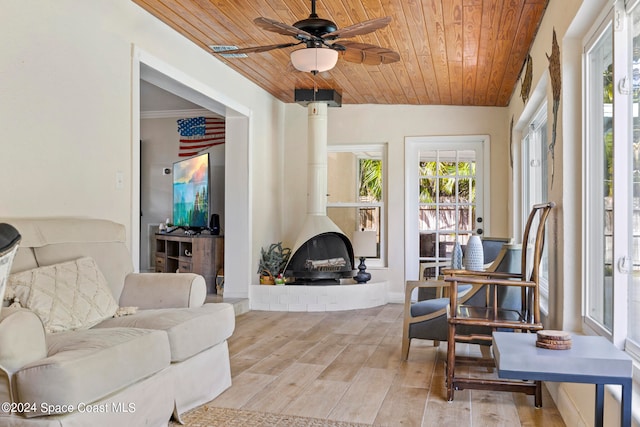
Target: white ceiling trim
pixel 169 114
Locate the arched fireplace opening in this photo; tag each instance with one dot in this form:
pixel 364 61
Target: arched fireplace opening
pixel 322 260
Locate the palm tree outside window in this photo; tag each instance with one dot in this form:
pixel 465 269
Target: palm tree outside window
pixel 356 192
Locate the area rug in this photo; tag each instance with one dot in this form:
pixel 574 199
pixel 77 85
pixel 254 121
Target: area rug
pixel 208 416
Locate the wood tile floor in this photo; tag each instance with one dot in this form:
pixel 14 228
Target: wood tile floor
pixel 346 366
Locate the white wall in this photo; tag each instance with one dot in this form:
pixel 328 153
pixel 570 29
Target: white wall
pixel 66 114
pixel 564 236
pixel 390 124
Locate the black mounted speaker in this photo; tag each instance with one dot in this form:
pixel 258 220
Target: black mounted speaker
pixel 214 224
pixel 330 96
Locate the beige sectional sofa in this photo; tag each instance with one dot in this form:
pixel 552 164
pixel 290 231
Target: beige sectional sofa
pixel 169 356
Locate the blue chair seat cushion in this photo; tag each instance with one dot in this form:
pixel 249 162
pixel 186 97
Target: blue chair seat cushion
pixel 462 289
pixel 428 306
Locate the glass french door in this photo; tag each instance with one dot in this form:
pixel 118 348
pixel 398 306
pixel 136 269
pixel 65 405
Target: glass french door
pixel 445 183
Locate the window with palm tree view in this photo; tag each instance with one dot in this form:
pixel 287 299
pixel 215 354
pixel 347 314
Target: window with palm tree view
pixel 356 191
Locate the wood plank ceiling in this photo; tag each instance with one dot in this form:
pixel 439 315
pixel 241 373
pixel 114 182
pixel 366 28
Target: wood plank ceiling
pixel 452 52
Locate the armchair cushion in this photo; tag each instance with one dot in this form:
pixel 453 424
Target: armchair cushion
pixel 21 342
pixel 69 295
pixel 55 240
pixel 93 364
pixel 190 330
pixel 163 290
pixel 431 293
pixel 428 306
pixel 22 338
pixel 25 259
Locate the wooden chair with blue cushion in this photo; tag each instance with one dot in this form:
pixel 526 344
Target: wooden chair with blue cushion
pixel 512 303
pixel 426 318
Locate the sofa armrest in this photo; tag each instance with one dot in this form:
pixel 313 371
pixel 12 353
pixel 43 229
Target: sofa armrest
pixel 22 338
pixel 163 290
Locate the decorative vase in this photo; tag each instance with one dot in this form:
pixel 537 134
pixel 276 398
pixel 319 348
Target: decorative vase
pixel 456 256
pixel 362 276
pixel 474 254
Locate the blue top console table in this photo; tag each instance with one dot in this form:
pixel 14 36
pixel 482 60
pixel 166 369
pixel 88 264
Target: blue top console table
pixel 591 359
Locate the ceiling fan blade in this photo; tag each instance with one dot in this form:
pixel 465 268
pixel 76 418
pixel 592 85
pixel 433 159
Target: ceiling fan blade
pixel 258 49
pixel 359 29
pixel 363 53
pixel 280 28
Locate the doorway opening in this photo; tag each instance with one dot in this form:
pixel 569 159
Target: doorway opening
pixel 147 68
pixel 160 114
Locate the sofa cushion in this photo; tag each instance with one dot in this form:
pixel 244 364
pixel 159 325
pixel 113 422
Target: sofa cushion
pixel 84 366
pixel 113 258
pixel 190 330
pixel 56 240
pixel 69 295
pixel 25 259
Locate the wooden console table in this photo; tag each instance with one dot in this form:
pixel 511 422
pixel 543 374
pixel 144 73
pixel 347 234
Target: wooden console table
pixel 591 359
pixel 201 254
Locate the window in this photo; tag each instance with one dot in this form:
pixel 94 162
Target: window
pixel 356 185
pixel 633 333
pixel 534 184
pixel 600 168
pixel 612 178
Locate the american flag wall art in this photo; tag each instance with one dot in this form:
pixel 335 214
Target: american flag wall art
pixel 199 133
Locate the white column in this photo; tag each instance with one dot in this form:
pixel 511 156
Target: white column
pixel 317 159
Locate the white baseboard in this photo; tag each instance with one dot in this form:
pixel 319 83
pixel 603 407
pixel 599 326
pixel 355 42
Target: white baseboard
pixel 575 404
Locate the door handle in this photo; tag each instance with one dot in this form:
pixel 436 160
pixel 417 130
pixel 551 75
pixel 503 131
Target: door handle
pixel 624 265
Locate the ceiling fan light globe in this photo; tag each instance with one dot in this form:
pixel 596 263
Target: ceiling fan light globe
pixel 313 59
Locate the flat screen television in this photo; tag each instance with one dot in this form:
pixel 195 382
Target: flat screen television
pixel 191 192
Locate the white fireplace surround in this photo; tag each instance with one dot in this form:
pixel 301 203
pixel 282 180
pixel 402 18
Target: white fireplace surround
pixel 318 298
pixel 345 296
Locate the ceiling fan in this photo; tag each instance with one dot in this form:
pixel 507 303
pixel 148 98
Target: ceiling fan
pixel 321 52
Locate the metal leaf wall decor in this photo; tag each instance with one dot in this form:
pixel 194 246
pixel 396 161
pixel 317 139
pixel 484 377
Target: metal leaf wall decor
pixel 525 89
pixel 511 143
pixel 556 87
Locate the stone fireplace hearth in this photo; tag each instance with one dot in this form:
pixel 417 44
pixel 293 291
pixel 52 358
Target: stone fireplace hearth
pixel 318 298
